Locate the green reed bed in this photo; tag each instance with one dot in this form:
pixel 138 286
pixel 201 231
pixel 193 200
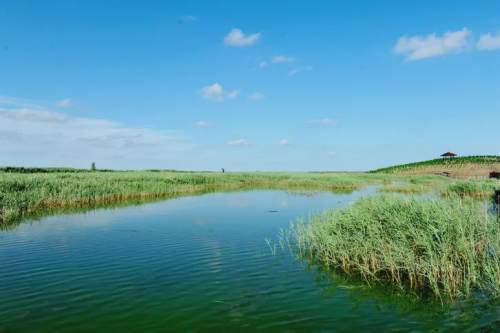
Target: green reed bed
pixel 442 247
pixel 456 162
pixel 473 188
pixel 415 184
pixel 30 193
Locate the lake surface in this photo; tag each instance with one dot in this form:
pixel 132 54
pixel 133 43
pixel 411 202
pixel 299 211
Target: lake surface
pixel 196 264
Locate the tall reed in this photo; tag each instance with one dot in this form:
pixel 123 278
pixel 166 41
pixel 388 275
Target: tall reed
pixel 443 247
pixel 473 188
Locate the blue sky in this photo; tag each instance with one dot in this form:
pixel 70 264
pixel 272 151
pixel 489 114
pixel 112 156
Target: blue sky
pixel 247 85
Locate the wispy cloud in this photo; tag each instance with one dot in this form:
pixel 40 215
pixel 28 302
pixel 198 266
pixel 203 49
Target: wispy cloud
pixel 33 115
pixel 256 96
pixel 237 38
pixel 323 121
pixel 216 92
pixel 37 135
pixel 278 59
pixel 239 143
pixel 64 103
pixel 284 142
pixel 432 45
pixel 489 42
pixel 7 101
pixel 297 70
pixel 204 124
pixel 293 67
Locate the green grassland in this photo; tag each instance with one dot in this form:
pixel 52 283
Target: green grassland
pixel 463 166
pixel 24 193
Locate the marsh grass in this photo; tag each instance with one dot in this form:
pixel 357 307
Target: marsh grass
pixel 415 184
pixel 480 189
pixel 405 188
pixel 447 248
pixel 456 162
pixel 26 194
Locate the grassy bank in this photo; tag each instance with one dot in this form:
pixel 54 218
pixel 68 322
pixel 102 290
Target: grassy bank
pixel 416 184
pixel 444 247
pixel 473 188
pixel 467 166
pixel 30 193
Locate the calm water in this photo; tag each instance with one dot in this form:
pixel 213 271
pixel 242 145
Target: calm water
pixel 196 264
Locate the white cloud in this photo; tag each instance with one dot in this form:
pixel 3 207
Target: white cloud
pixel 64 103
pixel 256 96
pixel 432 45
pixel 489 42
pixel 6 101
pixel 236 37
pixel 279 59
pixel 203 124
pixel 295 71
pixel 323 121
pixel 33 115
pixel 283 142
pixel 216 92
pixel 39 136
pixel 238 143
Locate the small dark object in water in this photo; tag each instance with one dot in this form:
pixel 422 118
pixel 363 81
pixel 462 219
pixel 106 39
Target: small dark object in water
pixel 495 174
pixel 272 211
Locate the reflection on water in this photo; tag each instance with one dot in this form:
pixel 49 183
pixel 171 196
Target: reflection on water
pixel 479 314
pixel 197 264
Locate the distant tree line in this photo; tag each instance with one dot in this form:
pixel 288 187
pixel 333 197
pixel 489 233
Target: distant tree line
pixel 47 170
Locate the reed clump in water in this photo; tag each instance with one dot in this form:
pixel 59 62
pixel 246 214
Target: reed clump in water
pixel 443 247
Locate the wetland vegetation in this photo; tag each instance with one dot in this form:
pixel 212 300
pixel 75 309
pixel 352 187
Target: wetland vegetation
pixel 447 247
pixel 463 166
pixel 444 243
pixel 24 194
